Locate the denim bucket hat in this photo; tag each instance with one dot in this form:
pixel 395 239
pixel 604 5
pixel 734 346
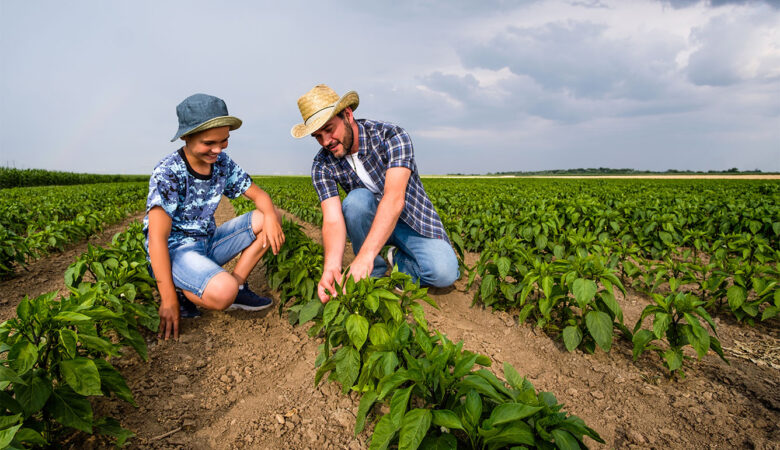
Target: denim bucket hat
pixel 200 112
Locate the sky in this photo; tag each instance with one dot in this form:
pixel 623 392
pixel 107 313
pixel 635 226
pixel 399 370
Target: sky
pixel 481 86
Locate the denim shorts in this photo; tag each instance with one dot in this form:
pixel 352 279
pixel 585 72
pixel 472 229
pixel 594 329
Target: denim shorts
pixel 194 264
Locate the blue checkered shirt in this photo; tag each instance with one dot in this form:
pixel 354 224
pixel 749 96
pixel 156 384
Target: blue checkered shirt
pixel 382 146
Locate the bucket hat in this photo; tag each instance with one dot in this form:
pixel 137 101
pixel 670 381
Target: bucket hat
pixel 318 106
pixel 200 112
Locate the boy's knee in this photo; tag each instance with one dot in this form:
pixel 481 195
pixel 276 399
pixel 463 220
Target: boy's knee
pixel 257 221
pixel 221 291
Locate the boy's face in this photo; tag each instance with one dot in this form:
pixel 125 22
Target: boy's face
pixel 206 146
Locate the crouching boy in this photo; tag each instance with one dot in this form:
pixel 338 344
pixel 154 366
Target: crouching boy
pixel 186 248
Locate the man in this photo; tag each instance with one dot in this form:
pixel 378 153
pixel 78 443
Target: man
pixel 186 249
pixel 385 204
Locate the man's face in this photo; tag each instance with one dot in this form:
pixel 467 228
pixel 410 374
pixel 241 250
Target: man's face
pixel 206 146
pixel 336 136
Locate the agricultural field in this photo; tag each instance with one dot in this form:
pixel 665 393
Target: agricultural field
pixel 613 314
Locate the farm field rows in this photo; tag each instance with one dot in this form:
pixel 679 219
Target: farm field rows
pixel 196 395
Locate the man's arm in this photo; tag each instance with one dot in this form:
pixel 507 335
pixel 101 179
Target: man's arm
pixel 387 213
pixel 334 238
pixel 272 227
pixel 159 230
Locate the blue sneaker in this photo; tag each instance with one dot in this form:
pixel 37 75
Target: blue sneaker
pixel 249 301
pixel 187 309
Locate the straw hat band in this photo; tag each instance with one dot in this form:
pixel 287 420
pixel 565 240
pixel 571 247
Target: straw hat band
pixel 314 116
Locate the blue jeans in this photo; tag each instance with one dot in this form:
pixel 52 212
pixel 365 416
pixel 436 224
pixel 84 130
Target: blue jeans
pixel 431 261
pixel 194 264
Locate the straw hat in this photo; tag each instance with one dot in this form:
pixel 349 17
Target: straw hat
pixel 318 106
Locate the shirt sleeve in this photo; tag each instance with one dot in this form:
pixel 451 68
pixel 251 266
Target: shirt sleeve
pixel 237 181
pixel 399 148
pixel 163 190
pixel 323 181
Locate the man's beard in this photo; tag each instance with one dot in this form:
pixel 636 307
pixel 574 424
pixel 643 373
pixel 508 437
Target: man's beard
pixel 346 144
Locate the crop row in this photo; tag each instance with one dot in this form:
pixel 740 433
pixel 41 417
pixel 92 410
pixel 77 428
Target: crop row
pixel 557 251
pixel 11 177
pixel 58 351
pixel 434 394
pixel 33 221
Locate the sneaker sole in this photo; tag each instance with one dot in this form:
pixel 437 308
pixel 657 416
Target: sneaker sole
pixel 248 308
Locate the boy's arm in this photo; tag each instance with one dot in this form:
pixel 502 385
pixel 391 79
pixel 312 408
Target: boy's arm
pixel 272 223
pixel 159 230
pixel 334 238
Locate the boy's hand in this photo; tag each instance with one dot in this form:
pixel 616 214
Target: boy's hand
pixel 169 319
pixel 273 234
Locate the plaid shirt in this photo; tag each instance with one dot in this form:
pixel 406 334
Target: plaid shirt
pixel 382 146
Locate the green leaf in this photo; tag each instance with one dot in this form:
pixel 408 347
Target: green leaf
pixel 444 441
pixel 71 409
pixel 488 287
pixel 384 432
pixel 572 336
pixel 700 340
pixel 600 327
pixel 514 433
pixel 641 339
pixel 394 309
pixel 674 359
pixel 22 356
pixel 309 311
pixel 510 412
pixel 68 340
pixel 9 431
pixel 30 436
pixel 366 402
pixel 378 334
pixel 584 291
pixel 113 381
pixel 82 375
pixel 98 344
pixel 504 264
pixel 737 296
pixel 7 374
pixel 547 285
pixel 330 311
pixel 463 365
pixel 348 368
pixel 357 329
pixel 446 418
pixel 414 427
pixel 111 427
pixel 661 323
pixel 513 377
pixel 398 405
pixel 33 395
pixel 72 317
pixel 564 440
pixel 473 409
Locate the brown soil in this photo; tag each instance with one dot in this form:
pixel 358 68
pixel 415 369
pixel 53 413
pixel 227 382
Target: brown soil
pixel 245 380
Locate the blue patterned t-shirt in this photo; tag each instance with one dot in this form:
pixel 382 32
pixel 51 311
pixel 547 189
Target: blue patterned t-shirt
pixel 191 199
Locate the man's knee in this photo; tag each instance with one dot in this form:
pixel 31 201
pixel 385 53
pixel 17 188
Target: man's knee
pixel 358 203
pixel 442 271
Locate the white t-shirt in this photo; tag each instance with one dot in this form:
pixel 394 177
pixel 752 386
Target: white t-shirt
pixel 361 172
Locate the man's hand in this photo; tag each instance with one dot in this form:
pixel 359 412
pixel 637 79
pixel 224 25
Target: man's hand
pixel 326 288
pixel 169 319
pixel 361 267
pixel 272 233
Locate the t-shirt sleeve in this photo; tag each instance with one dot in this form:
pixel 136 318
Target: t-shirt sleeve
pixel 323 181
pixel 237 181
pixel 399 148
pixel 163 190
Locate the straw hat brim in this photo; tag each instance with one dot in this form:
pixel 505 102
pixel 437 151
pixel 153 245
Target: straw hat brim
pixel 221 121
pixel 318 119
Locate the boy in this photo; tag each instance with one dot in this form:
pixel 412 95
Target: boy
pixel 186 249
